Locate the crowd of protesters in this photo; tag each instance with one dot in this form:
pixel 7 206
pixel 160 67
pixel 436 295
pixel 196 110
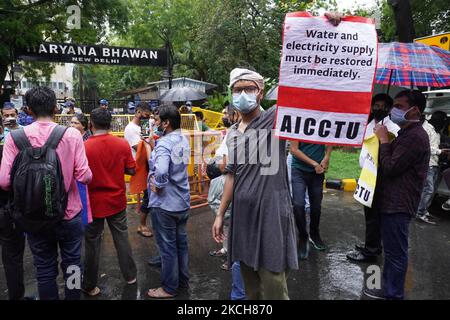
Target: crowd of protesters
pixel 92 190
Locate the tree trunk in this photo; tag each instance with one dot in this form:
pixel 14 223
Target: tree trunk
pixel 4 94
pixel 403 20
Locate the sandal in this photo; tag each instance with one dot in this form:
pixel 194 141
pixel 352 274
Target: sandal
pixel 159 293
pixel 144 231
pixel 92 293
pixel 218 253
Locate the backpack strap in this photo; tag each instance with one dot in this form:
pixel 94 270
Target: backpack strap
pixel 55 137
pixel 20 139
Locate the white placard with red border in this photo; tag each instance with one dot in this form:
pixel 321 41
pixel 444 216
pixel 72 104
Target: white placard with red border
pixel 326 79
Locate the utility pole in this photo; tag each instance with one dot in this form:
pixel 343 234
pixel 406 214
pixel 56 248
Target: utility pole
pixel 403 20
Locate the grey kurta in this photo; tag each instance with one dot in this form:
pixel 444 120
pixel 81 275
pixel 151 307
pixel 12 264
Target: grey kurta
pixel 262 230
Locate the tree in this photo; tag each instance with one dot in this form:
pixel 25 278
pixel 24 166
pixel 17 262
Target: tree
pixel 242 33
pixel 403 20
pixel 428 16
pixel 204 46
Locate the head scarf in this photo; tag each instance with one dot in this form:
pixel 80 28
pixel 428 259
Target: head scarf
pixel 245 74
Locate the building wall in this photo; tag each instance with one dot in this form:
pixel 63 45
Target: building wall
pixel 61 81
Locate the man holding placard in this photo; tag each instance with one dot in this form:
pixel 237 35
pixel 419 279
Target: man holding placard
pixel 262 231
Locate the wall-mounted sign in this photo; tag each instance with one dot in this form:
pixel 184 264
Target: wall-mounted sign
pixel 86 54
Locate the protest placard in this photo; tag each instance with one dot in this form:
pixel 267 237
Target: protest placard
pixel 326 79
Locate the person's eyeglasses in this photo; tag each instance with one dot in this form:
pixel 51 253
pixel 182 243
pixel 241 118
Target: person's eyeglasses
pixel 251 89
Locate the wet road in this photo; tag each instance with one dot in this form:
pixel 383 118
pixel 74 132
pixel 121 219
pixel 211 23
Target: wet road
pixel 325 275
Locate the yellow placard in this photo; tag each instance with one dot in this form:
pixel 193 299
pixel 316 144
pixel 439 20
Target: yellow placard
pixel 440 40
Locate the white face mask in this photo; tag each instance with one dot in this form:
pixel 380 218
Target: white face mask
pixel 398 116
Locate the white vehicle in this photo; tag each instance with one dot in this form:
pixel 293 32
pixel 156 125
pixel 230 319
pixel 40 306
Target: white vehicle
pixel 438 100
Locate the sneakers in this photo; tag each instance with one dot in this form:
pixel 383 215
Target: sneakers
pixel 446 205
pixel 303 249
pixel 317 242
pixel 425 219
pixel 377 294
pixel 428 215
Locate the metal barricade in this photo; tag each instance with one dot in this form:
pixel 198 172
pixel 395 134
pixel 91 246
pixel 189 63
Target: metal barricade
pixel 118 123
pixel 203 146
pixel 189 122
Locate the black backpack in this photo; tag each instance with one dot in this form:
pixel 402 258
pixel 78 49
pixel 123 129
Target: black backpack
pixel 39 197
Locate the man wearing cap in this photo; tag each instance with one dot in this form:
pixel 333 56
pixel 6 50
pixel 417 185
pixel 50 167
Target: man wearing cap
pixel 104 104
pixel 69 108
pixel 131 107
pixel 262 230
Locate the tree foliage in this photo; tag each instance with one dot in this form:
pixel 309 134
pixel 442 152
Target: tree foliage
pixel 206 39
pixel 26 23
pixel 429 16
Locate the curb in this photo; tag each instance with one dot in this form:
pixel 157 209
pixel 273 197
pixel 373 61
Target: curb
pixel 341 184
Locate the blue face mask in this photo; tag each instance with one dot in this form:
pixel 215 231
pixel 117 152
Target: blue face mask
pixel 398 116
pixel 244 103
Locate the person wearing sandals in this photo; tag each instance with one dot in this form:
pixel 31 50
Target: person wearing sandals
pixel 170 202
pixel 107 195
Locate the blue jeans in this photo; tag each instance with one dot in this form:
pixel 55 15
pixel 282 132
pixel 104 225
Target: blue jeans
pixel 394 233
pixel 44 246
pixel 428 190
pixel 237 285
pixel 171 237
pixel 312 183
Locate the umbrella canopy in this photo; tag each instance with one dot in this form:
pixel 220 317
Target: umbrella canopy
pixel 182 94
pixel 412 64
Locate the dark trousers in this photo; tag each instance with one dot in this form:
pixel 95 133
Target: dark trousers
pixel 93 239
pixel 171 236
pixel 372 245
pixel 44 246
pixel 395 231
pixel 301 180
pixel 144 204
pixel 13 247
